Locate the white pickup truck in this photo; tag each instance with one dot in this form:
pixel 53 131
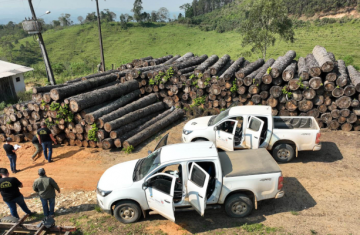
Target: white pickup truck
pixel 252 127
pixel 191 176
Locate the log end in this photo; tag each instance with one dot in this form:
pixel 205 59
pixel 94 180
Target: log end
pixel 107 127
pixel 89 118
pixel 117 143
pixel 74 106
pixel 113 135
pixel 328 66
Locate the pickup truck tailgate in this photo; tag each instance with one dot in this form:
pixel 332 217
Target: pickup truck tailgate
pixel 247 162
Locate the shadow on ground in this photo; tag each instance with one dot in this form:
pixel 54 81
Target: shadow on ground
pixel 329 153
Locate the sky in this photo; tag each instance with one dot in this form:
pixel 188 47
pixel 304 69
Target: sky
pixel 17 10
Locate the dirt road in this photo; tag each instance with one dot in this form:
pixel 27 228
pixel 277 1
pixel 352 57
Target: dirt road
pixel 321 191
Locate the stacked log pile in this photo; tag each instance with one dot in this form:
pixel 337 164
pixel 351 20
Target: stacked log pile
pixel 124 107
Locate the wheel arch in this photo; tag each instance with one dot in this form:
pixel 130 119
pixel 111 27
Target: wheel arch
pixel 290 142
pixel 199 138
pixel 246 192
pixel 121 200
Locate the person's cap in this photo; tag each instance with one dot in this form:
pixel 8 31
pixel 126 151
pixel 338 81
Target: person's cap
pixel 43 124
pixel 41 171
pixel 8 139
pixel 3 171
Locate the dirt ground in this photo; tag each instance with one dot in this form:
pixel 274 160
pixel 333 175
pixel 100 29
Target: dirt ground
pixel 321 192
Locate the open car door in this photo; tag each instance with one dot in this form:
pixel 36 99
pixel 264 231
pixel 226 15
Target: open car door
pixel 226 139
pixel 159 190
pixel 196 188
pixel 253 133
pixel 162 142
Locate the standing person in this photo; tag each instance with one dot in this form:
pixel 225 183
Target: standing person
pixel 44 136
pixel 38 147
pixel 46 186
pixel 10 153
pixel 9 188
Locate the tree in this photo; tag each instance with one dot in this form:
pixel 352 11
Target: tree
pixel 265 20
pixel 154 16
pixel 163 14
pixel 56 23
pixel 80 19
pixel 123 21
pixel 137 10
pixel 91 17
pixel 107 15
pixel 180 16
pixel 188 10
pixel 65 20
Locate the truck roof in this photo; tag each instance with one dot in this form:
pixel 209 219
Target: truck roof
pixel 194 150
pixel 247 162
pixel 250 110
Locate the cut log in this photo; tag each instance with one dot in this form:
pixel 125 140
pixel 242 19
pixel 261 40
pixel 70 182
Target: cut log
pixel 313 113
pixel 291 105
pixel 281 63
pixel 276 91
pixel 337 92
pixel 160 60
pixel 185 57
pixel 343 102
pixel 297 95
pixel 187 71
pixel 264 95
pixel 45 89
pixel 322 57
pixel 346 127
pixel 219 64
pixel 310 94
pixel 230 72
pixel 130 117
pixel 172 60
pixel 272 102
pixel 352 118
pixel 345 113
pixel 294 84
pixel 107 144
pixel 303 70
pixel 250 79
pixel 349 90
pixel 249 68
pixel 241 90
pixel 118 113
pixel 206 64
pixel 313 66
pixel 333 125
pixel 102 134
pixel 262 71
pixel 355 104
pixel 335 113
pixel 189 63
pixel 289 71
pixel 277 81
pixel 256 99
pixel 326 117
pixel 354 77
pixel 254 90
pixel 329 86
pixel 96 97
pixel 77 88
pixel 315 83
pixel 343 77
pixel 153 129
pixel 305 105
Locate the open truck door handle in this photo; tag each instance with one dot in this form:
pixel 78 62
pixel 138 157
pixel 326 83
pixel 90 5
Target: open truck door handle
pixel 229 138
pixel 167 201
pixel 200 196
pixel 256 137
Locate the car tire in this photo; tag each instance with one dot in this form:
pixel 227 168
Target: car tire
pixel 9 219
pixel 127 212
pixel 283 153
pixel 238 205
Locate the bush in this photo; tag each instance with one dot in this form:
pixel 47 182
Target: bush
pixel 2 105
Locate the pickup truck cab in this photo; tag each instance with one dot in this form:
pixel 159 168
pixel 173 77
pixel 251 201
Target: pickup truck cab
pixel 191 176
pixel 253 127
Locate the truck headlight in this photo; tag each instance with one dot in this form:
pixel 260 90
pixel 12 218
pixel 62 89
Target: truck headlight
pixel 187 132
pixel 103 193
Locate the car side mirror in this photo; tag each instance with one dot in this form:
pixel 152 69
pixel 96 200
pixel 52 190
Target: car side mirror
pixel 215 128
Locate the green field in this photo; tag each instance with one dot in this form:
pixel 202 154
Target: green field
pixel 79 44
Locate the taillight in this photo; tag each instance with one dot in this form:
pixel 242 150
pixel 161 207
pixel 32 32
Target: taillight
pixel 317 141
pixel 280 183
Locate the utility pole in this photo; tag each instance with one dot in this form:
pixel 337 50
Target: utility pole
pixel 43 49
pixel 100 36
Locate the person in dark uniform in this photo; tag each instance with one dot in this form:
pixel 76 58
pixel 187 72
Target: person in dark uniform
pixel 45 138
pixel 9 189
pixel 10 153
pixel 35 142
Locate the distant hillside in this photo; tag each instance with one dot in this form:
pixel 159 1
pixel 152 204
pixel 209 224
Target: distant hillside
pixel 74 50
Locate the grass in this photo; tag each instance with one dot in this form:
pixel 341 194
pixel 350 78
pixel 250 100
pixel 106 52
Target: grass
pixel 259 228
pixel 79 43
pixel 294 212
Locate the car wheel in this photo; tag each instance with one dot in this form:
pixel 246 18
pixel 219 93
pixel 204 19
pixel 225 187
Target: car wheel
pixel 9 219
pixel 199 140
pixel 283 153
pixel 127 212
pixel 238 205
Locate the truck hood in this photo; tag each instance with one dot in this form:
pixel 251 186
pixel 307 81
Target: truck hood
pixel 197 123
pixel 118 176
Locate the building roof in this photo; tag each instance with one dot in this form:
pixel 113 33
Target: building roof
pixel 250 110
pixel 8 69
pixel 192 151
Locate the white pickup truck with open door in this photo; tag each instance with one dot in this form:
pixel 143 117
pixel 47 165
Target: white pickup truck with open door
pixel 253 127
pixel 192 176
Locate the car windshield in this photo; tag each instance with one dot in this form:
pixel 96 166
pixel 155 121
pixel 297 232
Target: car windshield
pixel 217 118
pixel 146 165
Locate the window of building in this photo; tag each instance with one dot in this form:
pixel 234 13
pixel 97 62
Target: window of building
pixel 18 79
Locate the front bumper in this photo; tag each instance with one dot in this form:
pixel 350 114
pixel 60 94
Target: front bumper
pixel 102 207
pixel 317 147
pixel 280 194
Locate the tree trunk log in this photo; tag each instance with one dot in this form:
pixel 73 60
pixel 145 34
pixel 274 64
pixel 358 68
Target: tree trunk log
pixel 297 95
pixel 329 86
pixel 281 63
pixel 96 97
pixel 315 83
pixel 345 113
pixel 313 66
pixel 107 144
pixel 272 102
pixel 291 105
pixel 219 64
pixel 242 73
pixel 309 94
pixel 185 57
pixel 303 70
pixel 326 117
pixel 275 91
pixel 343 102
pixel 206 64
pixel 343 77
pixel 333 125
pixel 346 127
pixel 230 72
pixel 349 90
pixel 313 113
pixel 323 59
pixel 154 128
pixel 337 92
pixel 335 113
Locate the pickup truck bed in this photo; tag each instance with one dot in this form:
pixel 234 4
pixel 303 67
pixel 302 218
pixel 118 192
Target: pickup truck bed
pixel 247 162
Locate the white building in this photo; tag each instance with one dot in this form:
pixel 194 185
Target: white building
pixel 11 80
